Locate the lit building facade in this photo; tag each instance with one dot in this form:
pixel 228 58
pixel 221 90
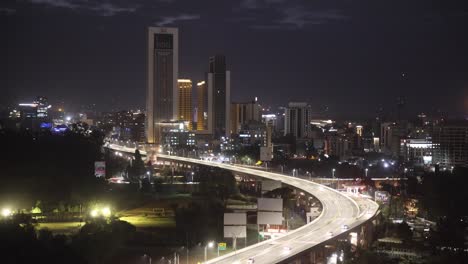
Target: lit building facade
pixel 202 106
pixel 162 90
pixel 185 101
pixel 417 151
pixel 176 138
pixel 219 97
pixel 243 113
pixel 297 119
pixel 450 144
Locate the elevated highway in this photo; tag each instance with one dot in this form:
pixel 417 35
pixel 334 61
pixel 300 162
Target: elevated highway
pixel 338 210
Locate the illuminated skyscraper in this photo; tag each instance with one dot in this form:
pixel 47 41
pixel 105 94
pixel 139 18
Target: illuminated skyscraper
pixel 202 106
pixel 162 91
pixel 297 119
pixel 219 87
pixel 185 101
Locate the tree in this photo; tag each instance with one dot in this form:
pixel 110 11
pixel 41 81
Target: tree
pixel 137 169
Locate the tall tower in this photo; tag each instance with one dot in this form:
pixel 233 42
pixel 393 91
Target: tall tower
pixel 202 106
pixel 185 101
pixel 297 119
pixel 219 86
pixel 163 68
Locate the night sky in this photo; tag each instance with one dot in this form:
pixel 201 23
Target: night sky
pixel 348 55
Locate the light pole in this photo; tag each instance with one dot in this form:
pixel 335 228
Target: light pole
pixel 148 257
pixel 367 170
pixel 333 175
pixel 209 245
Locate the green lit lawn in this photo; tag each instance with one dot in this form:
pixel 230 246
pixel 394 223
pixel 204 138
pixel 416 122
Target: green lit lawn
pixel 149 222
pixel 61 227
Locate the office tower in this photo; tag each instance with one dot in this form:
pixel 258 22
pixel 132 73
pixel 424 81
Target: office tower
pixel 42 107
pixel 450 143
pixel 297 119
pixel 185 101
pixel 219 96
pixel 163 66
pixel 202 106
pixel 243 113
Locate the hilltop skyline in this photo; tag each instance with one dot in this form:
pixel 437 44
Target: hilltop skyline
pixel 349 57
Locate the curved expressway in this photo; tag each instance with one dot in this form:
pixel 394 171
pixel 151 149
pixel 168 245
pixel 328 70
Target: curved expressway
pixel 338 210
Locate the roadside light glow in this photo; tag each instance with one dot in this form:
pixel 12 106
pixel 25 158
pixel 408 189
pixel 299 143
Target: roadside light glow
pixel 68 118
pixel 210 244
pixel 94 213
pixel 106 211
pixel 6 212
pixel 385 165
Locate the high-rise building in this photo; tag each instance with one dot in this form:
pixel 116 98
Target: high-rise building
pixel 450 143
pixel 298 116
pixel 242 113
pixel 219 96
pixel 185 101
pixel 202 106
pixel 163 66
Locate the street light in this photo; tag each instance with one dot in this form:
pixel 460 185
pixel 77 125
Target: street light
pixel 333 172
pixel 148 257
pixel 6 212
pixel 367 169
pixel 106 211
pixel 209 245
pixel 94 213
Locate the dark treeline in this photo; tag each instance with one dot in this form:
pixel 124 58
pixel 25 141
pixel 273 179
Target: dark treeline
pixel 97 242
pixel 48 168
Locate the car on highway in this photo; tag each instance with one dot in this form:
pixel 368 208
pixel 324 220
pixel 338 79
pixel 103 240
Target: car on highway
pixel 330 234
pixel 251 261
pixel 344 227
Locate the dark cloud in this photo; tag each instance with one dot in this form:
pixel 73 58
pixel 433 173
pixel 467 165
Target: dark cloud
pixel 299 17
pixel 7 11
pixel 103 8
pixel 58 3
pixel 168 20
pixel 249 4
pixel 107 9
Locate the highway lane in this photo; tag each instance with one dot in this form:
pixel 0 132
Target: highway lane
pixel 338 210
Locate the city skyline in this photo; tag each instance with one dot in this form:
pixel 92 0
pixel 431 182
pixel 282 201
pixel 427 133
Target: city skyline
pixel 337 58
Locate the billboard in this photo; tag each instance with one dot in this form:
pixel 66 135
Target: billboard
pixel 235 231
pixel 382 197
pixel 270 218
pixel 100 169
pixel 268 185
pixel 235 219
pixel 266 153
pixel 270 204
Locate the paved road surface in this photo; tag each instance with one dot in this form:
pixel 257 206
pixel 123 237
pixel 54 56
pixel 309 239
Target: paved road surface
pixel 338 210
